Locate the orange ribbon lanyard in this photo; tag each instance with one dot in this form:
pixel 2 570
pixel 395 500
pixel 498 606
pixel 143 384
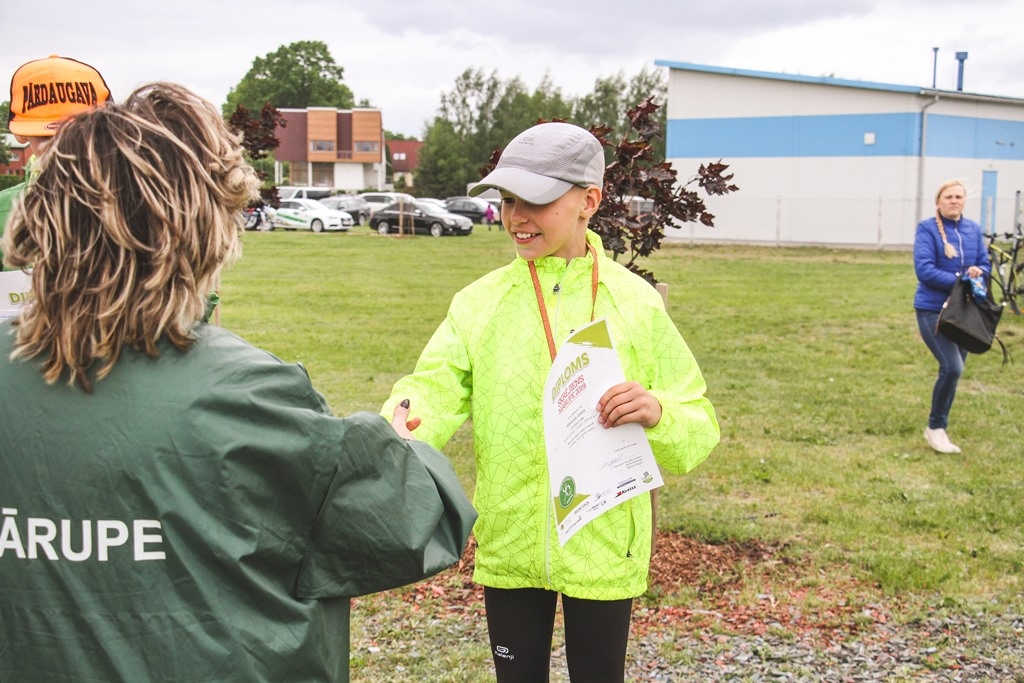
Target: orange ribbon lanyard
pixel 544 309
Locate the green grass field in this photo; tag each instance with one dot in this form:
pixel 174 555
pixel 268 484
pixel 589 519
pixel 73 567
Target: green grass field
pixel 812 359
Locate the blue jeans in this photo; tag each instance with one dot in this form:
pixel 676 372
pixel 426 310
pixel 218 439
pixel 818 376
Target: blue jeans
pixel 951 359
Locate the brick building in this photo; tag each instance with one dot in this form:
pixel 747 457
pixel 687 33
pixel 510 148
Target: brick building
pixel 19 153
pixel 405 157
pixel 327 147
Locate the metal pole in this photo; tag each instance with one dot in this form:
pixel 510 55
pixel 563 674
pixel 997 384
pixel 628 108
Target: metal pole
pixel 1018 210
pixel 935 64
pixel 922 154
pixel 960 57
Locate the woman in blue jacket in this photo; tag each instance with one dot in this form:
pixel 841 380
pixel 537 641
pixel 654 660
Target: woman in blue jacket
pixel 946 247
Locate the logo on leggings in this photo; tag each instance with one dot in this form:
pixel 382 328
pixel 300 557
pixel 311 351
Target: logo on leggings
pixel 502 651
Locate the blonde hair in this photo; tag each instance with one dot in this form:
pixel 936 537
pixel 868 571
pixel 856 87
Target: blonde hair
pixel 135 209
pixel 947 247
pixel 948 184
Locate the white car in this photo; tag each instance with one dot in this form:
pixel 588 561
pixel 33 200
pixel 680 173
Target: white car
pixel 378 200
pixel 309 214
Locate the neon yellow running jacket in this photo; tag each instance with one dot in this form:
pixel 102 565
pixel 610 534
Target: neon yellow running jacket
pixel 489 359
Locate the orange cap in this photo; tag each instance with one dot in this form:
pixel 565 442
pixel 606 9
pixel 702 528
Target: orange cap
pixel 45 92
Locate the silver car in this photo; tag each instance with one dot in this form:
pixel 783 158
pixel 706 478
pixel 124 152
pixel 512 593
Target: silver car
pixel 352 204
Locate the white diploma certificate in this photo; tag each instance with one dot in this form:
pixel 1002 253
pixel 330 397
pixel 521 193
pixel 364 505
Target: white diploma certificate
pixel 15 292
pixel 591 469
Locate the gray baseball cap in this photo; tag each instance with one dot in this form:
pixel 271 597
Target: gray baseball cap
pixel 543 162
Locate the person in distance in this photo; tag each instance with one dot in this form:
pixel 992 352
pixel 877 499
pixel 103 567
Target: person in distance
pixel 946 246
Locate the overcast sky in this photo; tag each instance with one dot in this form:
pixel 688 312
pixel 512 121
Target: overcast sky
pixel 402 54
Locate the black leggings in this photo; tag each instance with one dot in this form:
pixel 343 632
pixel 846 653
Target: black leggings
pixel 521 622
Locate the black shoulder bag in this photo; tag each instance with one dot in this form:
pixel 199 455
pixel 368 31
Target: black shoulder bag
pixel 969 321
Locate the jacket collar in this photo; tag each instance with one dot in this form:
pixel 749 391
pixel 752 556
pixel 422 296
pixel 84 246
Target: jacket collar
pixel 557 264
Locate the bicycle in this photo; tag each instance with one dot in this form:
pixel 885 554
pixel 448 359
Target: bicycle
pixel 259 218
pixel 1007 267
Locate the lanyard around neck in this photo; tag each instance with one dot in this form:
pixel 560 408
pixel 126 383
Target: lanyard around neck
pixel 544 309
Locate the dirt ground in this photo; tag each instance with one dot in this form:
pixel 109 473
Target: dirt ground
pixel 740 588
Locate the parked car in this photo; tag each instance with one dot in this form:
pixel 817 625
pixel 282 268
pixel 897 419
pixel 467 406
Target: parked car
pixel 309 214
pixel 293 192
pixel 352 204
pixel 423 217
pixel 471 207
pixel 378 200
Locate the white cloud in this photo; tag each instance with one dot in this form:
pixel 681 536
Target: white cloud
pixel 401 56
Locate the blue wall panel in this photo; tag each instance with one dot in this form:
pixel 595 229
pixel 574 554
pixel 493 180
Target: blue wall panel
pixel 843 136
pixel 961 137
pixel 794 136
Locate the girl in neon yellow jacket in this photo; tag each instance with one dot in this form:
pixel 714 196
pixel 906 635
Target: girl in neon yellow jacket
pixel 489 360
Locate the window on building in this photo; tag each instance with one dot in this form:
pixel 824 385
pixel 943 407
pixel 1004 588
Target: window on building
pixel 323 175
pixel 300 175
pixel 321 145
pixel 399 156
pixel 363 146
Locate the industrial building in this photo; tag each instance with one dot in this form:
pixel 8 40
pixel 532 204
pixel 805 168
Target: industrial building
pixel 827 161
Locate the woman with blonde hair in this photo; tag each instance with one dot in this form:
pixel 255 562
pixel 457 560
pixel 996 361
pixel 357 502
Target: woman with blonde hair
pixel 178 504
pixel 946 247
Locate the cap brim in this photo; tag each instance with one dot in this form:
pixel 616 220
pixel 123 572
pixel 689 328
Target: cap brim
pixel 530 187
pixel 35 129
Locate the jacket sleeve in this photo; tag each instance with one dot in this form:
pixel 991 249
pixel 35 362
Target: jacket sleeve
pixel 394 513
pixel 7 198
pixel 439 388
pixel 982 261
pixel 926 253
pixel 688 430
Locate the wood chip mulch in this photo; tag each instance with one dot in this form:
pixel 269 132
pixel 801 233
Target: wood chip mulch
pixel 742 588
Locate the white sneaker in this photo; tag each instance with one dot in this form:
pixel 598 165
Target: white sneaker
pixel 953 447
pixel 939 441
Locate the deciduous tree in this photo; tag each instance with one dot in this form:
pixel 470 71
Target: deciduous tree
pixel 302 74
pixel 612 97
pixel 259 140
pixel 484 112
pixel 5 152
pixel 635 172
pixel 481 113
pixel 442 162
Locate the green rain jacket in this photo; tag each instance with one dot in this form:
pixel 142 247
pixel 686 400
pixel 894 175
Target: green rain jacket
pixel 489 359
pixel 202 517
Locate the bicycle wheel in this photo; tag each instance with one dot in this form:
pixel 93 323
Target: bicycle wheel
pixel 1002 282
pixel 1014 283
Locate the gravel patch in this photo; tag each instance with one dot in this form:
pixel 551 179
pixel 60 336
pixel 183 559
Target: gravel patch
pixel 977 648
pixel 846 634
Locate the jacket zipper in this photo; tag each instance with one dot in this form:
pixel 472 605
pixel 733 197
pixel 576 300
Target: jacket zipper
pixel 960 239
pixel 549 507
pixel 547 532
